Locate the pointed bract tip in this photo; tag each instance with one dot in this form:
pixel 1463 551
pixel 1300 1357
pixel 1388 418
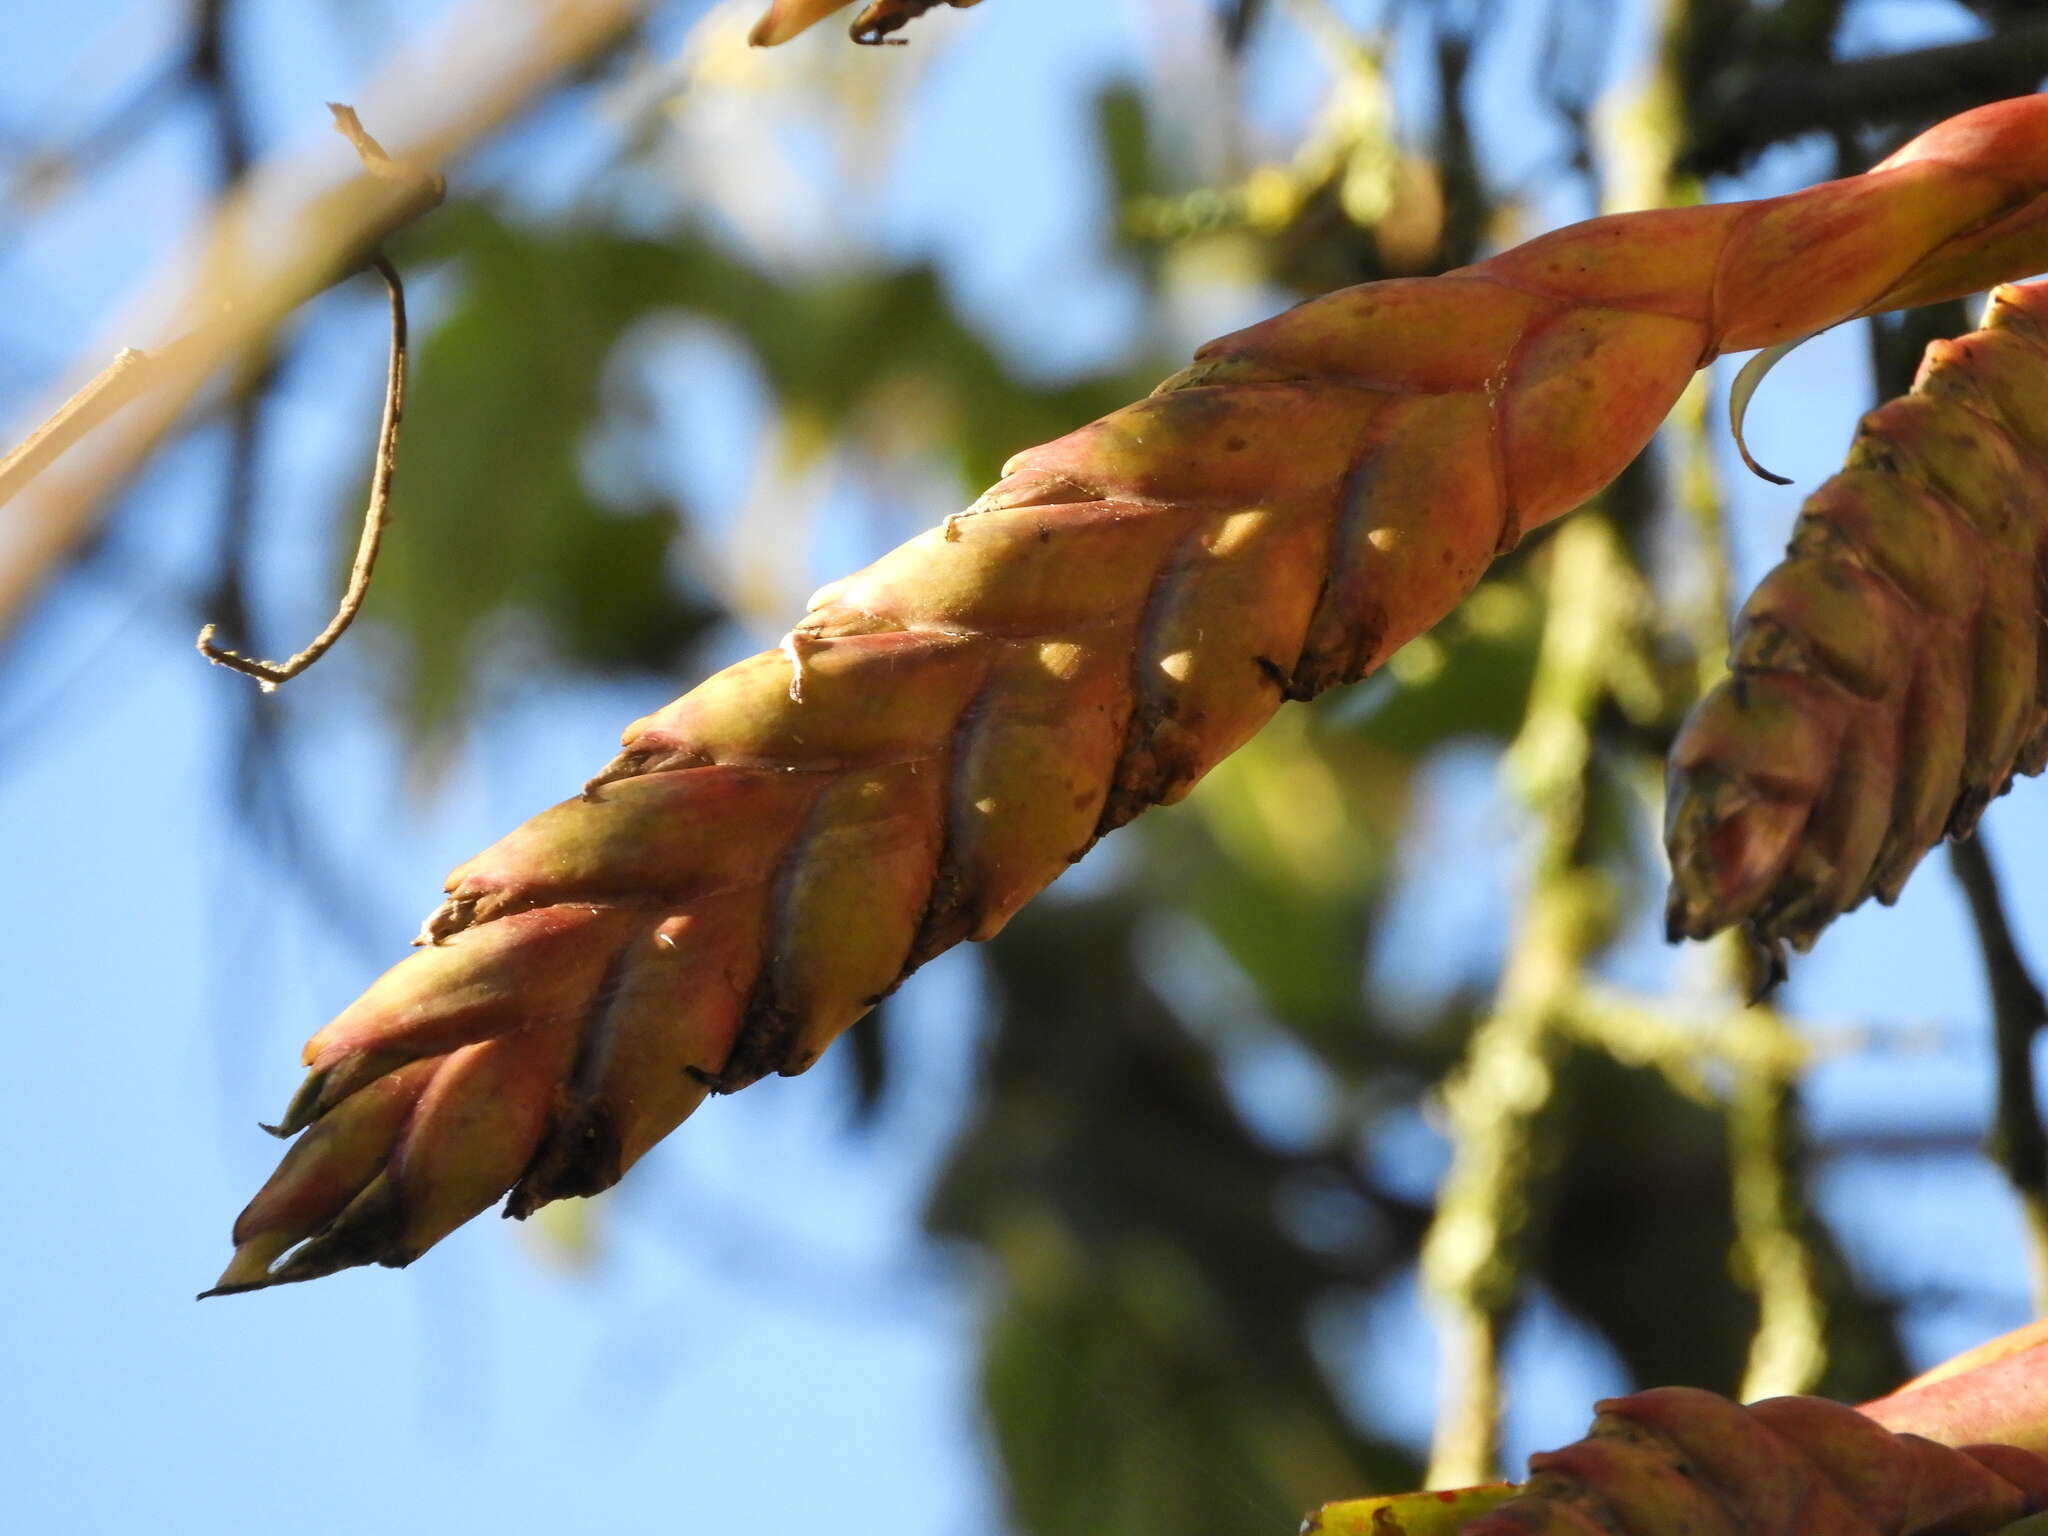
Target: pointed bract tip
pixel 304 1108
pixel 249 1269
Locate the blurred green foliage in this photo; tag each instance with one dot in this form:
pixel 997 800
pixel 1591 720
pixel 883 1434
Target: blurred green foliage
pixel 517 378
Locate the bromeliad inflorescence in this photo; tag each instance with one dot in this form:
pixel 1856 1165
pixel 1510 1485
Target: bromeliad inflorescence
pixel 763 862
pixel 1890 677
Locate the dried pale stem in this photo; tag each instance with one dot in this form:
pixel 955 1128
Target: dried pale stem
pixel 374 156
pixel 2016 1142
pixel 376 516
pixel 103 394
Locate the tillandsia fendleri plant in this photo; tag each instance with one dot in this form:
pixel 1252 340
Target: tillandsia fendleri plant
pixel 1959 1451
pixel 947 730
pixel 1890 677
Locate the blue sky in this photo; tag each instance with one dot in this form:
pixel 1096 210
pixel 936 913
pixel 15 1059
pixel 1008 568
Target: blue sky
pixel 761 1338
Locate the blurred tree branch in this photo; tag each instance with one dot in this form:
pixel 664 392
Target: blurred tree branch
pixel 285 233
pixel 133 373
pixel 1767 104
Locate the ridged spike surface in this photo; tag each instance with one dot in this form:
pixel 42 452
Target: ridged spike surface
pixel 1890 677
pixel 1675 1459
pixel 947 730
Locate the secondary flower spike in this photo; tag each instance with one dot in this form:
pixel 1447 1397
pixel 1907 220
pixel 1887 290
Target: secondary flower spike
pixel 1957 1452
pixel 1677 1459
pixel 1891 675
pixel 947 730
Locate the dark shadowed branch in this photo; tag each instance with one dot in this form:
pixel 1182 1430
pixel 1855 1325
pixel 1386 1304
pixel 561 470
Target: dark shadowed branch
pixel 1790 98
